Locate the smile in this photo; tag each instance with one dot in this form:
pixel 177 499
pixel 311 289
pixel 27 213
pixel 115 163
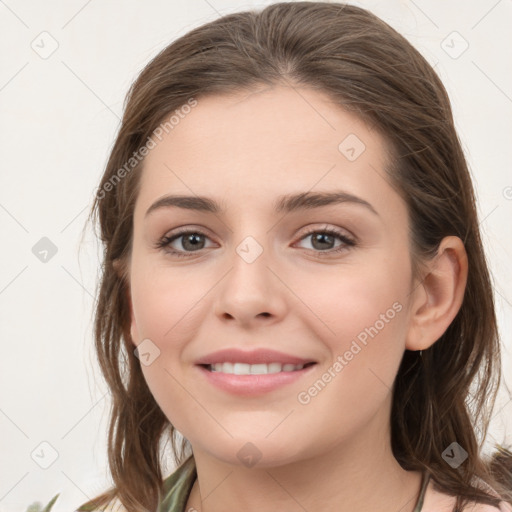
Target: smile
pixel 253 379
pixel 254 369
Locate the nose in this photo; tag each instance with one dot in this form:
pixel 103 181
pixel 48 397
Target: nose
pixel 251 291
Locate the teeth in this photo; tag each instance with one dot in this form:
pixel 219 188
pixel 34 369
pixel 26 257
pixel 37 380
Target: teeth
pixel 254 369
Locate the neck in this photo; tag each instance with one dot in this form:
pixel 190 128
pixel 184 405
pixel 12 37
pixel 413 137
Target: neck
pixel 359 473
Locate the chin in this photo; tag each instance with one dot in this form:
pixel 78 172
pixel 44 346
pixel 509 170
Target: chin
pixel 254 452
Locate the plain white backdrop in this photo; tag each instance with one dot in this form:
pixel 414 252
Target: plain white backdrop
pixel 65 71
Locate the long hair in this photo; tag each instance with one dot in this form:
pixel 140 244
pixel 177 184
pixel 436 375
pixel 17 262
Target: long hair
pixel 445 395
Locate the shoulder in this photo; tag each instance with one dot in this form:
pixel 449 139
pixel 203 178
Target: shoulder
pixel 113 505
pixel 175 491
pixel 479 507
pixel 437 501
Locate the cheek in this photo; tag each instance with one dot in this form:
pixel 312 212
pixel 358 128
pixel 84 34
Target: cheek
pixel 363 322
pixel 164 304
pixel 167 307
pixel 357 303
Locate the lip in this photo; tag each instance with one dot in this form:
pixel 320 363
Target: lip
pixel 251 385
pixel 257 356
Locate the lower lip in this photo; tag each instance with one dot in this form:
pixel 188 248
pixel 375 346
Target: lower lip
pixel 253 384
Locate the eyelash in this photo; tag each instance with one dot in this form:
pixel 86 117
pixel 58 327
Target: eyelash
pixel 165 241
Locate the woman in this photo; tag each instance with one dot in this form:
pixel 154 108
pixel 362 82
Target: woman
pixel 301 375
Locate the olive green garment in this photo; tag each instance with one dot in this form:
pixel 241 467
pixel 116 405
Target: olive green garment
pixel 177 487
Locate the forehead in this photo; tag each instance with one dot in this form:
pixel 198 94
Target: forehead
pixel 259 144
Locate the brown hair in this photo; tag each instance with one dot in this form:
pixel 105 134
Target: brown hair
pixel 445 395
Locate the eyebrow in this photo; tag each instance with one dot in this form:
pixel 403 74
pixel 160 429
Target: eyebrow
pixel 284 204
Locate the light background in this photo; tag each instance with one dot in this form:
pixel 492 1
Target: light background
pixel 59 116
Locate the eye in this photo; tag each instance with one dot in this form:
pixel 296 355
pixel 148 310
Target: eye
pixel 191 242
pixel 322 239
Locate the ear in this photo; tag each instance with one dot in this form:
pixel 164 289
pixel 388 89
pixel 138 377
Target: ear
pixel 438 297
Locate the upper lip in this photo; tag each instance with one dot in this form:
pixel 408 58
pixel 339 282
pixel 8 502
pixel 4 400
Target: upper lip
pixel 257 356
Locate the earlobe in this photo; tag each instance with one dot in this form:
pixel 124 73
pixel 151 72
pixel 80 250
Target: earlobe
pixel 439 296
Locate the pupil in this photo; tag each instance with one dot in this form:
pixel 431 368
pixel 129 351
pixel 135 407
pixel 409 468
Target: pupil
pixel 193 240
pixel 321 237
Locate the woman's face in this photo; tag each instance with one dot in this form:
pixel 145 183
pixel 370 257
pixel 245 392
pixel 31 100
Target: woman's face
pixel 255 277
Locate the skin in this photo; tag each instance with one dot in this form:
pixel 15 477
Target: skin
pixel 245 150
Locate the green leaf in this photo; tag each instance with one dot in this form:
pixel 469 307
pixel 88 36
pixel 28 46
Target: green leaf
pixel 34 507
pixel 50 505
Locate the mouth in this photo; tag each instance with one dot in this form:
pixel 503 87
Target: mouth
pixel 254 369
pixel 256 379
pixel 253 372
